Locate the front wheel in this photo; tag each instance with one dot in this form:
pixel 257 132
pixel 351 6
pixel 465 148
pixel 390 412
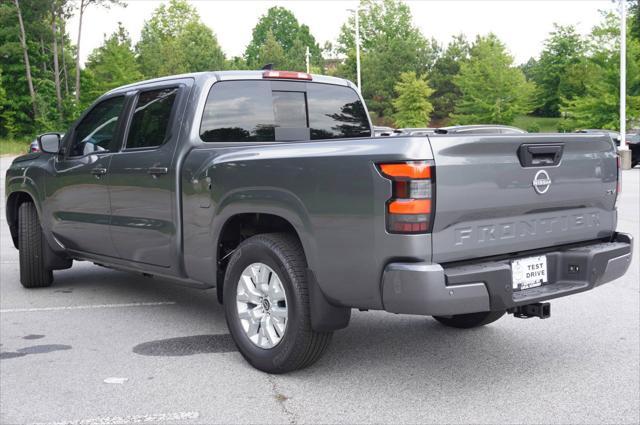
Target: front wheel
pixel 266 302
pixel 471 320
pixel 31 244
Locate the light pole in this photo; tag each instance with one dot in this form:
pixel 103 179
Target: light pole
pixel 358 48
pixel 357 16
pixel 623 75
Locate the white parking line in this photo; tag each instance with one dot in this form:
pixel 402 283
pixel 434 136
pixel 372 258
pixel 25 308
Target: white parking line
pixel 85 307
pixel 134 419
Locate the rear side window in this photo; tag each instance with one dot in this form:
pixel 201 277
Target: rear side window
pixel 250 111
pixel 151 118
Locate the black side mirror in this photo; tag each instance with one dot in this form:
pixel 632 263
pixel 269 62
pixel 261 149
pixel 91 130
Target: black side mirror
pixel 49 142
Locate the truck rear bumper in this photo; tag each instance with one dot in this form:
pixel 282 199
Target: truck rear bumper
pixel 430 289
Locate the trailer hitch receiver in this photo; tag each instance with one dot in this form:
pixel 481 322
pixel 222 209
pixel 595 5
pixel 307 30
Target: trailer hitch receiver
pixel 541 310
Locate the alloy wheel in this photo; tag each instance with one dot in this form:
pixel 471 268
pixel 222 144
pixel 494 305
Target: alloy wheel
pixel 262 305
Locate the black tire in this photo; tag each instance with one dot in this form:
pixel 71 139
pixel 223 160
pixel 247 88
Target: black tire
pixel 31 243
pixel 300 345
pixel 471 320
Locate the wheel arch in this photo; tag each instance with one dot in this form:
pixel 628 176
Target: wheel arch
pixel 238 227
pixel 275 209
pixel 14 200
pixel 241 226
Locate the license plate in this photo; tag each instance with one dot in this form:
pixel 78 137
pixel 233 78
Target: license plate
pixel 528 272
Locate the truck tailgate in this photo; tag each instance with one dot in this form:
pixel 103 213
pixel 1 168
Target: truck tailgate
pixel 501 194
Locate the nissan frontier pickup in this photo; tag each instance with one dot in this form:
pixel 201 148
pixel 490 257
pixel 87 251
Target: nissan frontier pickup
pixel 269 187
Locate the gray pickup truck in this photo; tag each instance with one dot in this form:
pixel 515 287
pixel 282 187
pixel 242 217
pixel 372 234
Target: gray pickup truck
pixel 269 187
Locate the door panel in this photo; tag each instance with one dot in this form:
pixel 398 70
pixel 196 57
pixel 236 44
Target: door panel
pixel 79 204
pixel 78 194
pixel 142 183
pixel 142 206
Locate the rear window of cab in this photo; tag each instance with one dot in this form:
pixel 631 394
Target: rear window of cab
pixel 260 111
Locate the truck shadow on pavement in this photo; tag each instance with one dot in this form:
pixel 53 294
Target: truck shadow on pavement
pixel 107 286
pixel 187 346
pixel 418 348
pixel 390 344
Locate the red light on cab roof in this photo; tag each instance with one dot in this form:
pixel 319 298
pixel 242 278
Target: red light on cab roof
pixel 289 75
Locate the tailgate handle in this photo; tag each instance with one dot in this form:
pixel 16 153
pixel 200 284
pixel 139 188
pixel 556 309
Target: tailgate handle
pixel 539 155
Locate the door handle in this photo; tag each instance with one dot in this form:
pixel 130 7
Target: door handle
pixel 156 171
pixel 99 172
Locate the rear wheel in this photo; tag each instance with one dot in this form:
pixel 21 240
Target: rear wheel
pixel 471 320
pixel 31 244
pixel 266 302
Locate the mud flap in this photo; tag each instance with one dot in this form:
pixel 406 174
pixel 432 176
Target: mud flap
pixel 325 317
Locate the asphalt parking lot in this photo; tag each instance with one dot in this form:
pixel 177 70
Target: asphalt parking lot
pixel 102 346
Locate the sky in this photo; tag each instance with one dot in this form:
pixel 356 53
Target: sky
pixel 522 24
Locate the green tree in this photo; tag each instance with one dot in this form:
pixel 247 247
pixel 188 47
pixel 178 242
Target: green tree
pixel 16 78
pixel 3 104
pixel 175 41
pixel 493 90
pixel 7 123
pixel 412 106
pixel 272 52
pixel 25 50
pixel 634 14
pixel 555 74
pixel 446 93
pixel 236 62
pixel 280 26
pixel 111 65
pixel 390 45
pixel 599 106
pixel 82 7
pixel 33 109
pixel 528 68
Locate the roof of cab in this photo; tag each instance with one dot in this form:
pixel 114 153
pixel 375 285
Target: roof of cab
pixel 232 75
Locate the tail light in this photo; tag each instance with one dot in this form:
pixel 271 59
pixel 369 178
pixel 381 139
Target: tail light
pixel 410 210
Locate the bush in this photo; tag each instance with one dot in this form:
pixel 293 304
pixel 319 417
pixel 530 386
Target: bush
pixel 534 127
pixel 565 126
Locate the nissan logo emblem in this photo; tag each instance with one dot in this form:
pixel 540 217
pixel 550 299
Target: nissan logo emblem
pixel 542 182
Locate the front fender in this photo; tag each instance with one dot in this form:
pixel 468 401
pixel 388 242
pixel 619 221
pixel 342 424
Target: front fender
pixel 27 177
pixel 18 185
pixel 19 180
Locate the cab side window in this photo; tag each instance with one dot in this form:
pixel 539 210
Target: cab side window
pixel 151 118
pixel 239 111
pixel 97 130
pixel 336 112
pixel 251 111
